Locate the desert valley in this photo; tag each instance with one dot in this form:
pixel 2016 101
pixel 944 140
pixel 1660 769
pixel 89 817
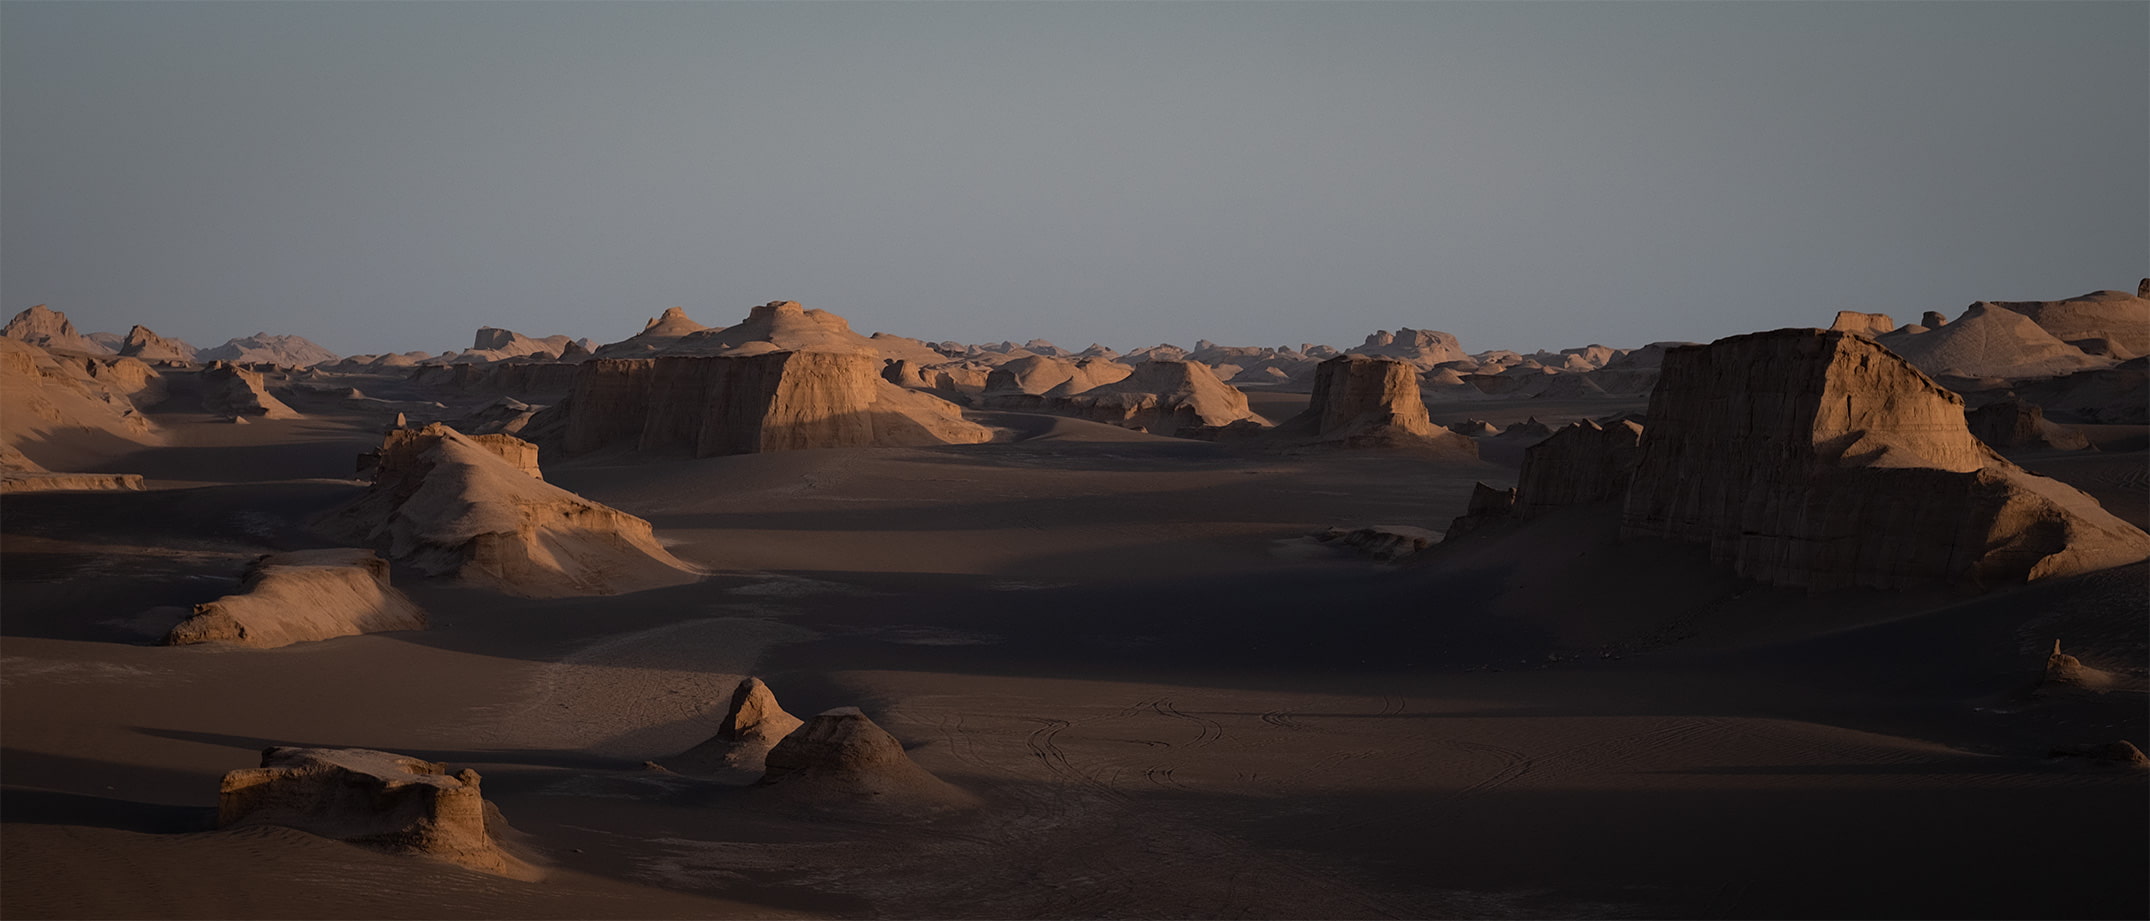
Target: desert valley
pixel 760 616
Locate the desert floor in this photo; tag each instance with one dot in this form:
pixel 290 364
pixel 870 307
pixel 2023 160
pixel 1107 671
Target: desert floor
pixel 1170 701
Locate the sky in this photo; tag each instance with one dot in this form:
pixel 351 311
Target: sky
pixel 1526 175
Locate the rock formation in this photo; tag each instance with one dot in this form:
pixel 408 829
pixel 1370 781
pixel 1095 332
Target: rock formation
pixel 1385 542
pixel 840 754
pixel 474 508
pixel 299 596
pixel 146 345
pixel 1578 465
pixel 1422 348
pixel 1487 505
pixel 753 724
pixel 1990 342
pixel 373 799
pixel 51 406
pixel 2065 671
pixel 1819 459
pixel 1160 397
pixel 1864 324
pixel 2121 753
pixel 234 392
pixel 1363 402
pixel 1019 382
pixel 744 404
pixel 262 348
pixel 494 344
pixel 2119 395
pixel 49 329
pixel 2118 320
pixel 2012 424
pixel 1933 319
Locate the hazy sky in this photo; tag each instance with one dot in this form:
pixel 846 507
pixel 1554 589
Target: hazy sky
pixel 390 176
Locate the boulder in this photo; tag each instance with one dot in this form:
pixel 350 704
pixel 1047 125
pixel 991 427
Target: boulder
pixel 299 596
pixel 1822 460
pixel 1364 402
pixel 1863 324
pixel 50 329
pixel 235 392
pixel 373 799
pixel 147 345
pixel 474 508
pixel 841 755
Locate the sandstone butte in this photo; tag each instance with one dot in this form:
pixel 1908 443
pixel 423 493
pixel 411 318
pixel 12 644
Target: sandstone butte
pixel 473 507
pixel 786 378
pixel 1366 402
pixel 1822 460
pixel 373 799
pixel 753 723
pixel 1864 324
pixel 299 596
pixel 841 757
pixel 235 393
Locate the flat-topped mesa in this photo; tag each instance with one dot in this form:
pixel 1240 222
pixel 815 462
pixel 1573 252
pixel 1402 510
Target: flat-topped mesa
pixel 471 507
pixel 49 329
pixel 235 392
pixel 1863 324
pixel 842 754
pixel 1581 464
pixel 299 596
pixel 145 344
pixel 1161 397
pixel 373 799
pixel 745 404
pixel 1822 460
pixel 1365 402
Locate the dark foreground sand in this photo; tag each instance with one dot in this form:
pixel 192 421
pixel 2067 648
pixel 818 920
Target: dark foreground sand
pixel 1171 703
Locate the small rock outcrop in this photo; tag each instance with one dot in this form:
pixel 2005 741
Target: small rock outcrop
pixel 373 799
pixel 1364 402
pixel 300 596
pixel 2013 424
pixel 841 755
pixel 233 392
pixel 50 329
pixel 1581 464
pixel 753 723
pixel 1933 319
pixel 2065 671
pixel 1822 460
pixel 1863 324
pixel 474 508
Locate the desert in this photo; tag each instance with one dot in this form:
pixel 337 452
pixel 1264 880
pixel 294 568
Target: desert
pixel 1074 460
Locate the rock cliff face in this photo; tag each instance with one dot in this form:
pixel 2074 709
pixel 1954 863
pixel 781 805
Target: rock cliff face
pixel 471 507
pixel 1580 464
pixel 300 596
pixel 235 392
pixel 1819 459
pixel 144 344
pixel 744 404
pixel 1161 397
pixel 50 329
pixel 373 799
pixel 1362 402
pixel 1864 324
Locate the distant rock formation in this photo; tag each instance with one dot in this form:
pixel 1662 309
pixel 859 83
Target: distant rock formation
pixel 50 405
pixel 146 345
pixel 300 596
pixel 474 508
pixel 233 392
pixel 1487 505
pixel 1384 542
pixel 1581 464
pixel 2119 395
pixel 841 755
pixel 753 724
pixel 1863 324
pixel 1933 319
pixel 495 344
pixel 1019 382
pixel 2102 322
pixel 2013 424
pixel 2065 671
pixel 1990 342
pixel 1422 348
pixel 373 799
pixel 262 348
pixel 50 329
pixel 1366 402
pixel 1161 397
pixel 1821 460
pixel 2120 753
pixel 745 404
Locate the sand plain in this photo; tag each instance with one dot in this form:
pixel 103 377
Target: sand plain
pixel 1169 700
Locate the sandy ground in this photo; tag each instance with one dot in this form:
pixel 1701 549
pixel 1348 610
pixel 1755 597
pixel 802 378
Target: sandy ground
pixel 1170 702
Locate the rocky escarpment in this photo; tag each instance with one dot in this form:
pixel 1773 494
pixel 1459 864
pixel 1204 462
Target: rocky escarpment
pixel 473 508
pixel 300 596
pixel 744 404
pixel 1362 402
pixel 1819 459
pixel 373 799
